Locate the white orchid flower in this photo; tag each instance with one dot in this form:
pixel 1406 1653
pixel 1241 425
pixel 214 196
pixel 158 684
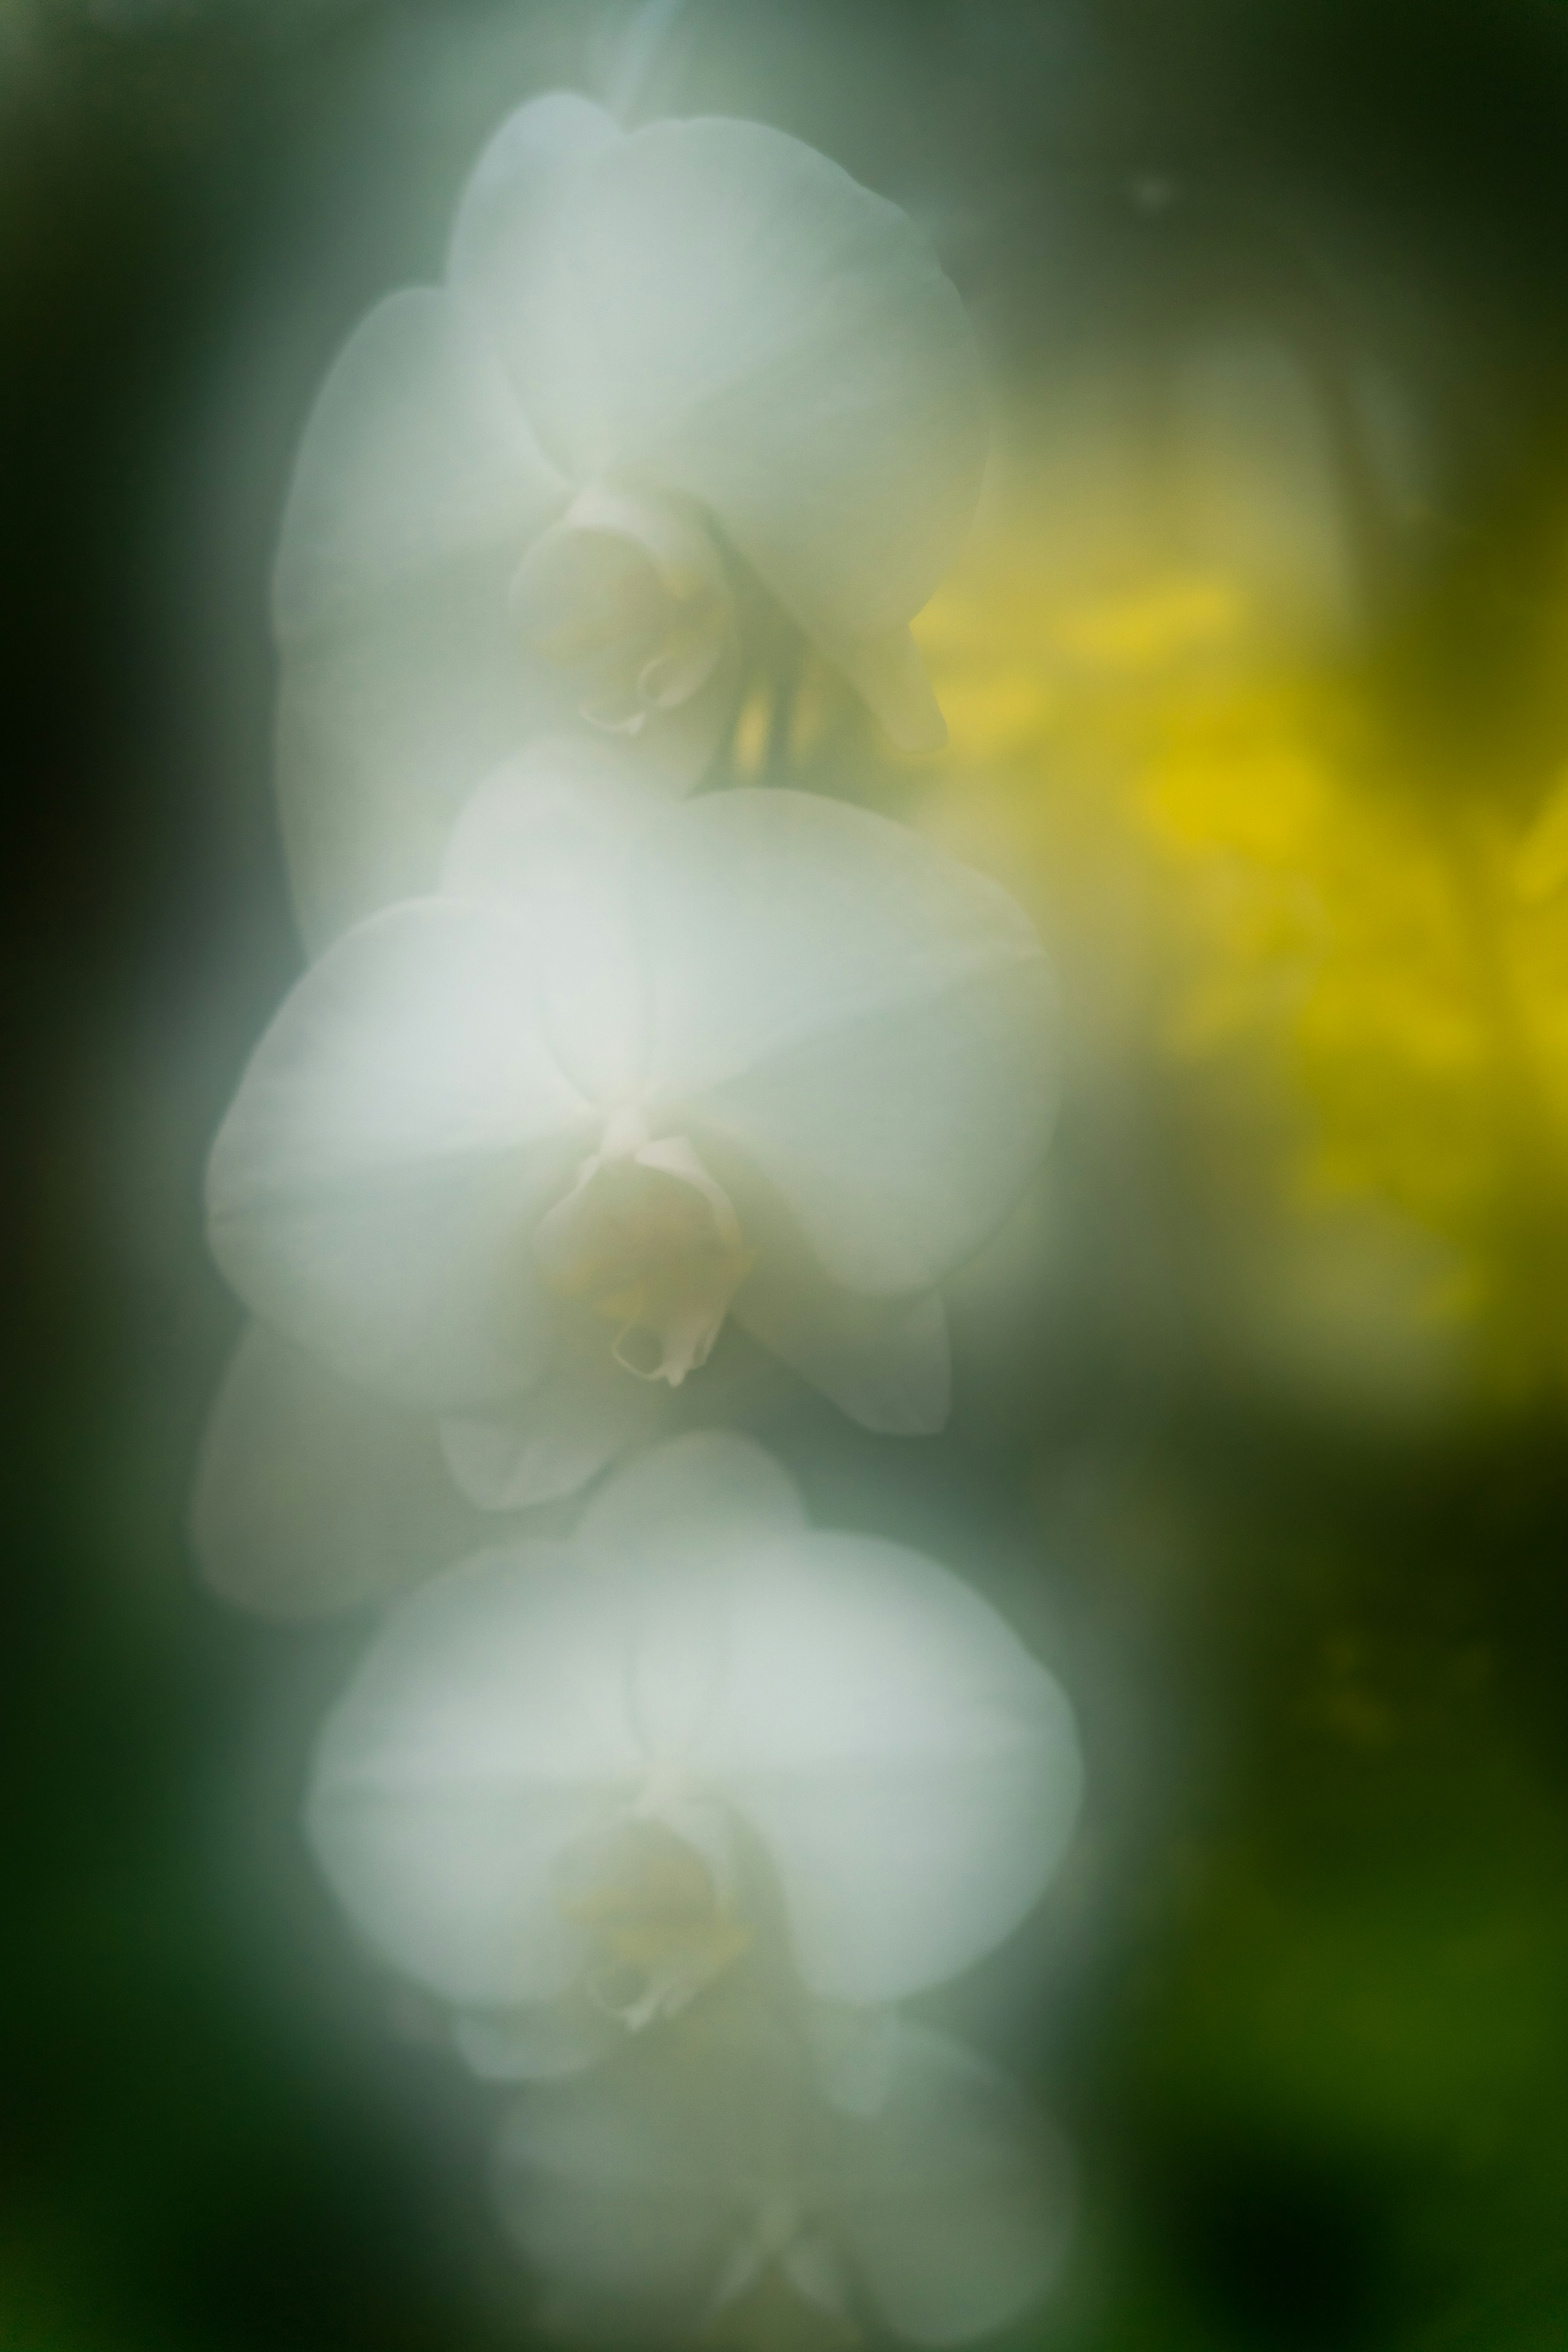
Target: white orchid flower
pixel 571 1783
pixel 312 1495
pixel 691 2191
pixel 513 1154
pixel 525 492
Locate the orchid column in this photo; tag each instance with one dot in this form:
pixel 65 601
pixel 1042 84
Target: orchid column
pixel 610 1080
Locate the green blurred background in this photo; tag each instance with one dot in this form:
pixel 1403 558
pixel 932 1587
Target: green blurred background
pixel 1258 674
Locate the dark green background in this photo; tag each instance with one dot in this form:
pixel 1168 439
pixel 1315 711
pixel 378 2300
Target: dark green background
pixel 1304 2004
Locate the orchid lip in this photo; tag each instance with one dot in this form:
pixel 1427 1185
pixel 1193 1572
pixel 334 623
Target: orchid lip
pixel 649 1242
pixel 626 594
pixel 656 1909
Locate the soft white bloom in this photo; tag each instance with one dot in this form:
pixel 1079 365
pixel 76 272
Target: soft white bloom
pixel 313 1494
pixel 522 494
pixel 569 1783
pixel 691 2187
pixel 513 1154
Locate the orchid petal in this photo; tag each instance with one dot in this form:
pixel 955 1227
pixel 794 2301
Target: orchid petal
pixel 630 2190
pixel 399 1132
pixel 539 2043
pixel 417 484
pixel 868 1022
pixel 884 1362
pixel 694 1498
pixel 312 1494
pixel 385 730
pixel 584 1413
pixel 913 1774
pixel 853 2051
pixel 415 453
pixel 405 673
pixel 673 2186
pixel 555 823
pixel 486 1730
pixel 900 1141
pixel 952 2201
pixel 504 252
pixel 551 834
pixel 731 316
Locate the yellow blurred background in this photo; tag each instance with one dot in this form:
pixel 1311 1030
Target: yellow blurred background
pixel 1182 726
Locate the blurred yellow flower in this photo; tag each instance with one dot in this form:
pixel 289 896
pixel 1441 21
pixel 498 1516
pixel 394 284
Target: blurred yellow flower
pixel 1316 916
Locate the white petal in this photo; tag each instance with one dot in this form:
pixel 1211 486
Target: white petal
pixel 405 677
pixel 954 2201
pixel 451 1887
pixel 419 486
pixel 585 1411
pixel 868 1022
pixel 913 1774
pixel 312 1494
pixel 853 2052
pixel 400 1129
pixel 415 453
pixel 537 2043
pixel 551 834
pixel 665 2187
pixel 695 1498
pixel 486 1728
pixel 729 314
pixel 901 1140
pixel 630 2190
pixel 504 253
pixel 884 1362
pixel 385 730
pixel 559 820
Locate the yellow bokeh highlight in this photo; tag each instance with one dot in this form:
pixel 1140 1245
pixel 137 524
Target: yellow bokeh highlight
pixel 1317 913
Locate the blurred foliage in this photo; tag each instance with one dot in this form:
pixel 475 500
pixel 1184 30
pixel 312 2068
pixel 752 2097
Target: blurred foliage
pixel 1255 684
